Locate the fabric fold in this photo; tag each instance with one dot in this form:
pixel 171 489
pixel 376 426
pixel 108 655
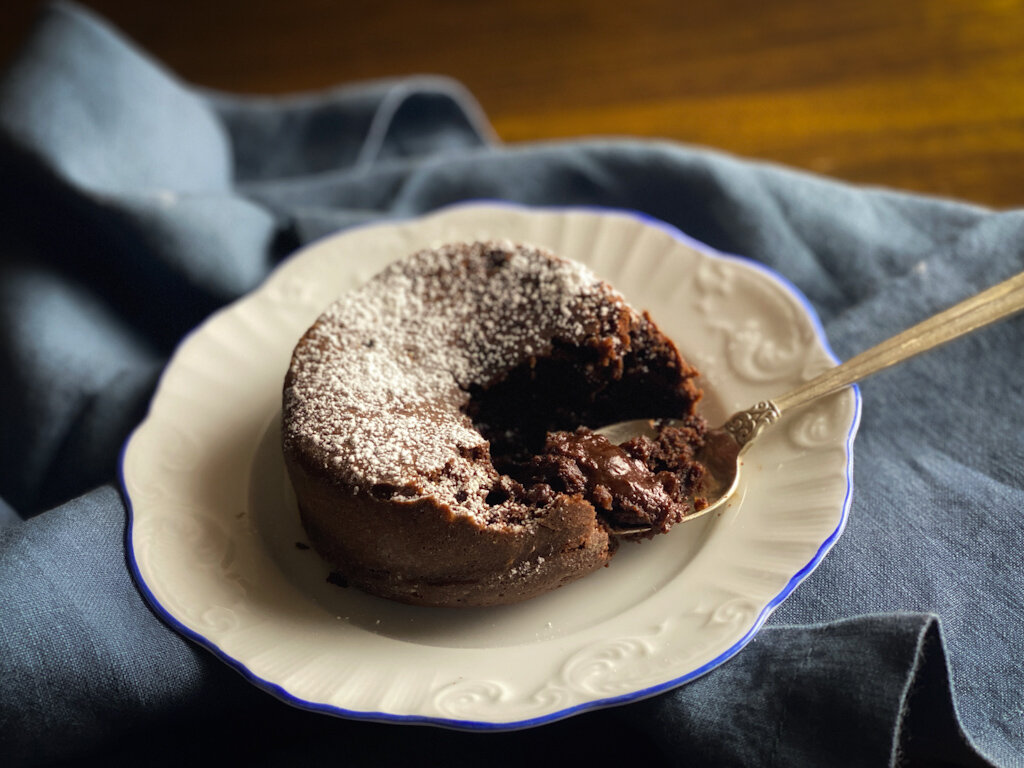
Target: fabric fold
pixel 843 693
pixel 871 690
pixel 349 128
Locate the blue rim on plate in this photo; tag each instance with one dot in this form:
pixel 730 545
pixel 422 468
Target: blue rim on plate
pixel 376 716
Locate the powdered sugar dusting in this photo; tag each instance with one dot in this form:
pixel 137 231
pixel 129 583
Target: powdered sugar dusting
pixel 377 386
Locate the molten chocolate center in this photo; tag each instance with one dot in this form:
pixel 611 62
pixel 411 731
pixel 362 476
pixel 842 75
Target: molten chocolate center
pixel 537 421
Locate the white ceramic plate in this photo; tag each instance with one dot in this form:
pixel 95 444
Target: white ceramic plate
pixel 217 548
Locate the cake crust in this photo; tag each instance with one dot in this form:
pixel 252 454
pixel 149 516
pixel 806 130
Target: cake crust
pixel 410 403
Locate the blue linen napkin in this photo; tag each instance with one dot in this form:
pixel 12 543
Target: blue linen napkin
pixel 133 205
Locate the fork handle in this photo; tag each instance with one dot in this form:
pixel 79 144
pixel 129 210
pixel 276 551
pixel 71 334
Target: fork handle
pixel 987 307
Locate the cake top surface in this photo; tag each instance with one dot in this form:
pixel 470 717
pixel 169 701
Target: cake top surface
pixel 377 385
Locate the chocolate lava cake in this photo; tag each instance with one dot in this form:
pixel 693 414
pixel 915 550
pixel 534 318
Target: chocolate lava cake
pixel 436 426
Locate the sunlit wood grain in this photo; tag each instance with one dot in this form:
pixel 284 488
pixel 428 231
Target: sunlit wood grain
pixel 920 95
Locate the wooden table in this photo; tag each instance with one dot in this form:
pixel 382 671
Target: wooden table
pixel 923 95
